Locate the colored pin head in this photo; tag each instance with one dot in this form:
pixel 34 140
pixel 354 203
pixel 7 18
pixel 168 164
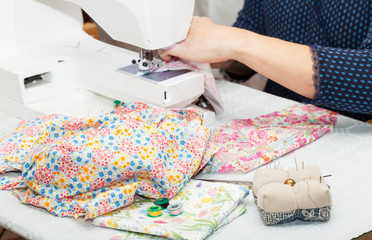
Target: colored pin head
pixel 290 182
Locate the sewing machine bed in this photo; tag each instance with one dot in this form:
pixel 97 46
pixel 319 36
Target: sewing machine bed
pixel 344 153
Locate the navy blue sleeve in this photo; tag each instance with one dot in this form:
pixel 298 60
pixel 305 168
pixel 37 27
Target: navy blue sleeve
pixel 343 77
pixel 251 17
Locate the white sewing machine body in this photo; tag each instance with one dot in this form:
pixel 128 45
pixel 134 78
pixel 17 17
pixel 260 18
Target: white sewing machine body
pixel 48 64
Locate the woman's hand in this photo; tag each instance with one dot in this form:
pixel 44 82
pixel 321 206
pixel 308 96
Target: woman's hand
pixel 286 63
pixel 206 42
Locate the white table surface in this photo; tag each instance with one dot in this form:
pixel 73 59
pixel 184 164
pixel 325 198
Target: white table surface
pixel 345 153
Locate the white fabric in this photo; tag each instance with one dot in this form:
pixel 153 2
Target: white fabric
pixel 212 203
pixel 265 176
pixel 274 196
pixel 345 153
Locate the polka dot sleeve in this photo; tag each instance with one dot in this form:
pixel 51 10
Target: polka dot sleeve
pixel 343 77
pixel 339 32
pixel 251 17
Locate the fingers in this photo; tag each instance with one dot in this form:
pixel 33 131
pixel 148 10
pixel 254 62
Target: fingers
pixel 172 51
pixel 188 48
pixel 164 55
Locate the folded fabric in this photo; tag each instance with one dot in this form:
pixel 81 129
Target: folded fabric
pixel 246 144
pixel 29 133
pixel 95 165
pixel 206 207
pixel 299 193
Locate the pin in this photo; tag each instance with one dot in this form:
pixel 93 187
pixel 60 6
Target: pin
pixel 320 178
pixel 296 164
pixel 290 182
pixel 117 103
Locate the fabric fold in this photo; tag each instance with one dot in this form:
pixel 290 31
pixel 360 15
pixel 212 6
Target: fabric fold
pixel 91 166
pixel 207 206
pixel 245 144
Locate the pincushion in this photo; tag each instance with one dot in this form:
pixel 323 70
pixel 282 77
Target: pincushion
pixel 285 195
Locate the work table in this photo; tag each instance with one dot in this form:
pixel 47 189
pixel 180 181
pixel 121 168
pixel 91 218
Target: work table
pixel 344 153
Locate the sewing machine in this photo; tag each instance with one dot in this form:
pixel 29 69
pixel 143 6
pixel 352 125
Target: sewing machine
pixel 48 64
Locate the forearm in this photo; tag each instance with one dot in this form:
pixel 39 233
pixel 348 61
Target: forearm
pixel 286 63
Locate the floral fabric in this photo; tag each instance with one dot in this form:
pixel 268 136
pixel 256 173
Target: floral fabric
pixel 17 145
pixel 246 144
pixel 92 166
pixel 206 205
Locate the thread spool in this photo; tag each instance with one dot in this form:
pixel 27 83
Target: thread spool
pixel 154 211
pixel 175 209
pixel 162 202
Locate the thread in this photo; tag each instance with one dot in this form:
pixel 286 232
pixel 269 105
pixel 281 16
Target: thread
pixel 175 209
pixel 298 205
pixel 291 183
pixel 162 202
pixel 154 211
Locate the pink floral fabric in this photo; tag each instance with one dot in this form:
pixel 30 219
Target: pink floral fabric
pixel 246 144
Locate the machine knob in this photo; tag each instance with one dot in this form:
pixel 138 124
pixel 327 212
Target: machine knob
pixel 144 64
pixel 134 61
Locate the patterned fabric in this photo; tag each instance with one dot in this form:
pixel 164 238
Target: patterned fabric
pixel 207 206
pixel 246 144
pixel 340 34
pixel 314 214
pixel 307 199
pixel 8 183
pixel 15 147
pixel 92 166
